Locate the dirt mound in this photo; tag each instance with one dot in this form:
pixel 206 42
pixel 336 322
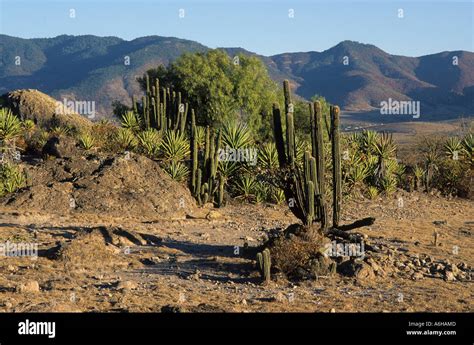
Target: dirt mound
pixel 122 186
pixel 41 108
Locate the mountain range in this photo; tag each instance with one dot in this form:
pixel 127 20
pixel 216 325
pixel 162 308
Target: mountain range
pixel 356 76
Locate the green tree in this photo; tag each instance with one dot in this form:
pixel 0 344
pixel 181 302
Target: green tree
pixel 221 88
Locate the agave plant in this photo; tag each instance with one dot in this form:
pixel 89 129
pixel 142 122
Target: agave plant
pixel 262 192
pixel 86 141
pixel 372 192
pixel 468 147
pixel 131 121
pixel 388 185
pixel 245 187
pixel 10 125
pixel 277 195
pixel 178 171
pixel 236 135
pixel 125 139
pixel 175 146
pixel 60 131
pixel 149 141
pixel 357 174
pixel 368 141
pixel 11 178
pixel 453 148
pixel 268 156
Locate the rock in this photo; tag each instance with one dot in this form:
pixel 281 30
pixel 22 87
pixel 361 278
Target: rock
pixel 212 215
pixel 417 276
pixel 30 286
pixel 365 273
pixel 127 285
pixel 333 310
pixel 449 276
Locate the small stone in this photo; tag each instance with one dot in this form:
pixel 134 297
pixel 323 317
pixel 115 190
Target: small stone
pixel 333 310
pixel 417 276
pixel 449 276
pixel 30 286
pixel 127 285
pixel 244 302
pixel 213 215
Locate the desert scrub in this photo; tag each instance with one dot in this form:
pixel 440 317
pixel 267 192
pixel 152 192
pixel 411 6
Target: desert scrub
pixel 12 178
pixel 178 171
pixel 175 146
pixel 149 142
pixel 10 126
pixel 86 141
pixel 124 139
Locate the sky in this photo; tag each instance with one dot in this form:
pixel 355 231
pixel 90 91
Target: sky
pixel 267 27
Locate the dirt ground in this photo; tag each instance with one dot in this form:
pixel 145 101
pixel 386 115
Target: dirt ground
pixel 192 260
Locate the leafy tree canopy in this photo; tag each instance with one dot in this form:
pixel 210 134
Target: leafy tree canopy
pixel 221 88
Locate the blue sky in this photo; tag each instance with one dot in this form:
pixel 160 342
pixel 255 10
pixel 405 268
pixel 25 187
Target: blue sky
pixel 262 26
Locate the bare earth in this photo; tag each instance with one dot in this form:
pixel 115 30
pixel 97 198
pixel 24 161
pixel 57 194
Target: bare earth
pixel 192 261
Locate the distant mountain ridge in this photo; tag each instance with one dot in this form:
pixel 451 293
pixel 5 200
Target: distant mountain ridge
pixel 353 75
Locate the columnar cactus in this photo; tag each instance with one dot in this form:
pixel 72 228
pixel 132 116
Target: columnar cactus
pixel 336 173
pixel 305 187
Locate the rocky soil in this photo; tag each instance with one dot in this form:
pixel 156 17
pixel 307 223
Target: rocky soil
pixel 133 240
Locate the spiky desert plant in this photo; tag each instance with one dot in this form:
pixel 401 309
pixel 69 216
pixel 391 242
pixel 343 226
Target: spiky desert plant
pixel 245 187
pixel 10 126
pixel 372 192
pixel 149 142
pixel 178 171
pixel 60 131
pixel 418 172
pixel 268 156
pixel 368 140
pixel 175 146
pixel 388 185
pixel 86 141
pixel 453 148
pixel 12 178
pixel 236 135
pixel 125 139
pixel 131 121
pixel 468 147
pixel 277 195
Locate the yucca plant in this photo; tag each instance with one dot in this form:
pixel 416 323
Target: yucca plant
pixel 10 126
pixel 453 148
pixel 149 141
pixel 277 195
pixel 236 135
pixel 11 178
pixel 178 171
pixel 388 185
pixel 372 192
pixel 200 135
pixel 86 141
pixel 60 131
pixel 174 146
pixel 131 121
pixel 368 141
pixel 245 187
pixel 268 156
pixel 468 147
pixel 358 173
pixel 262 192
pixel 125 139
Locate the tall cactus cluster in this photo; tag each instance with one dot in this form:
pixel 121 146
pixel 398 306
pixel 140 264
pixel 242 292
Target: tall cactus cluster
pixel 305 186
pixel 205 184
pixel 161 108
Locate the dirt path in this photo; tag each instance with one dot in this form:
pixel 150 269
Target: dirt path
pixel 96 262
